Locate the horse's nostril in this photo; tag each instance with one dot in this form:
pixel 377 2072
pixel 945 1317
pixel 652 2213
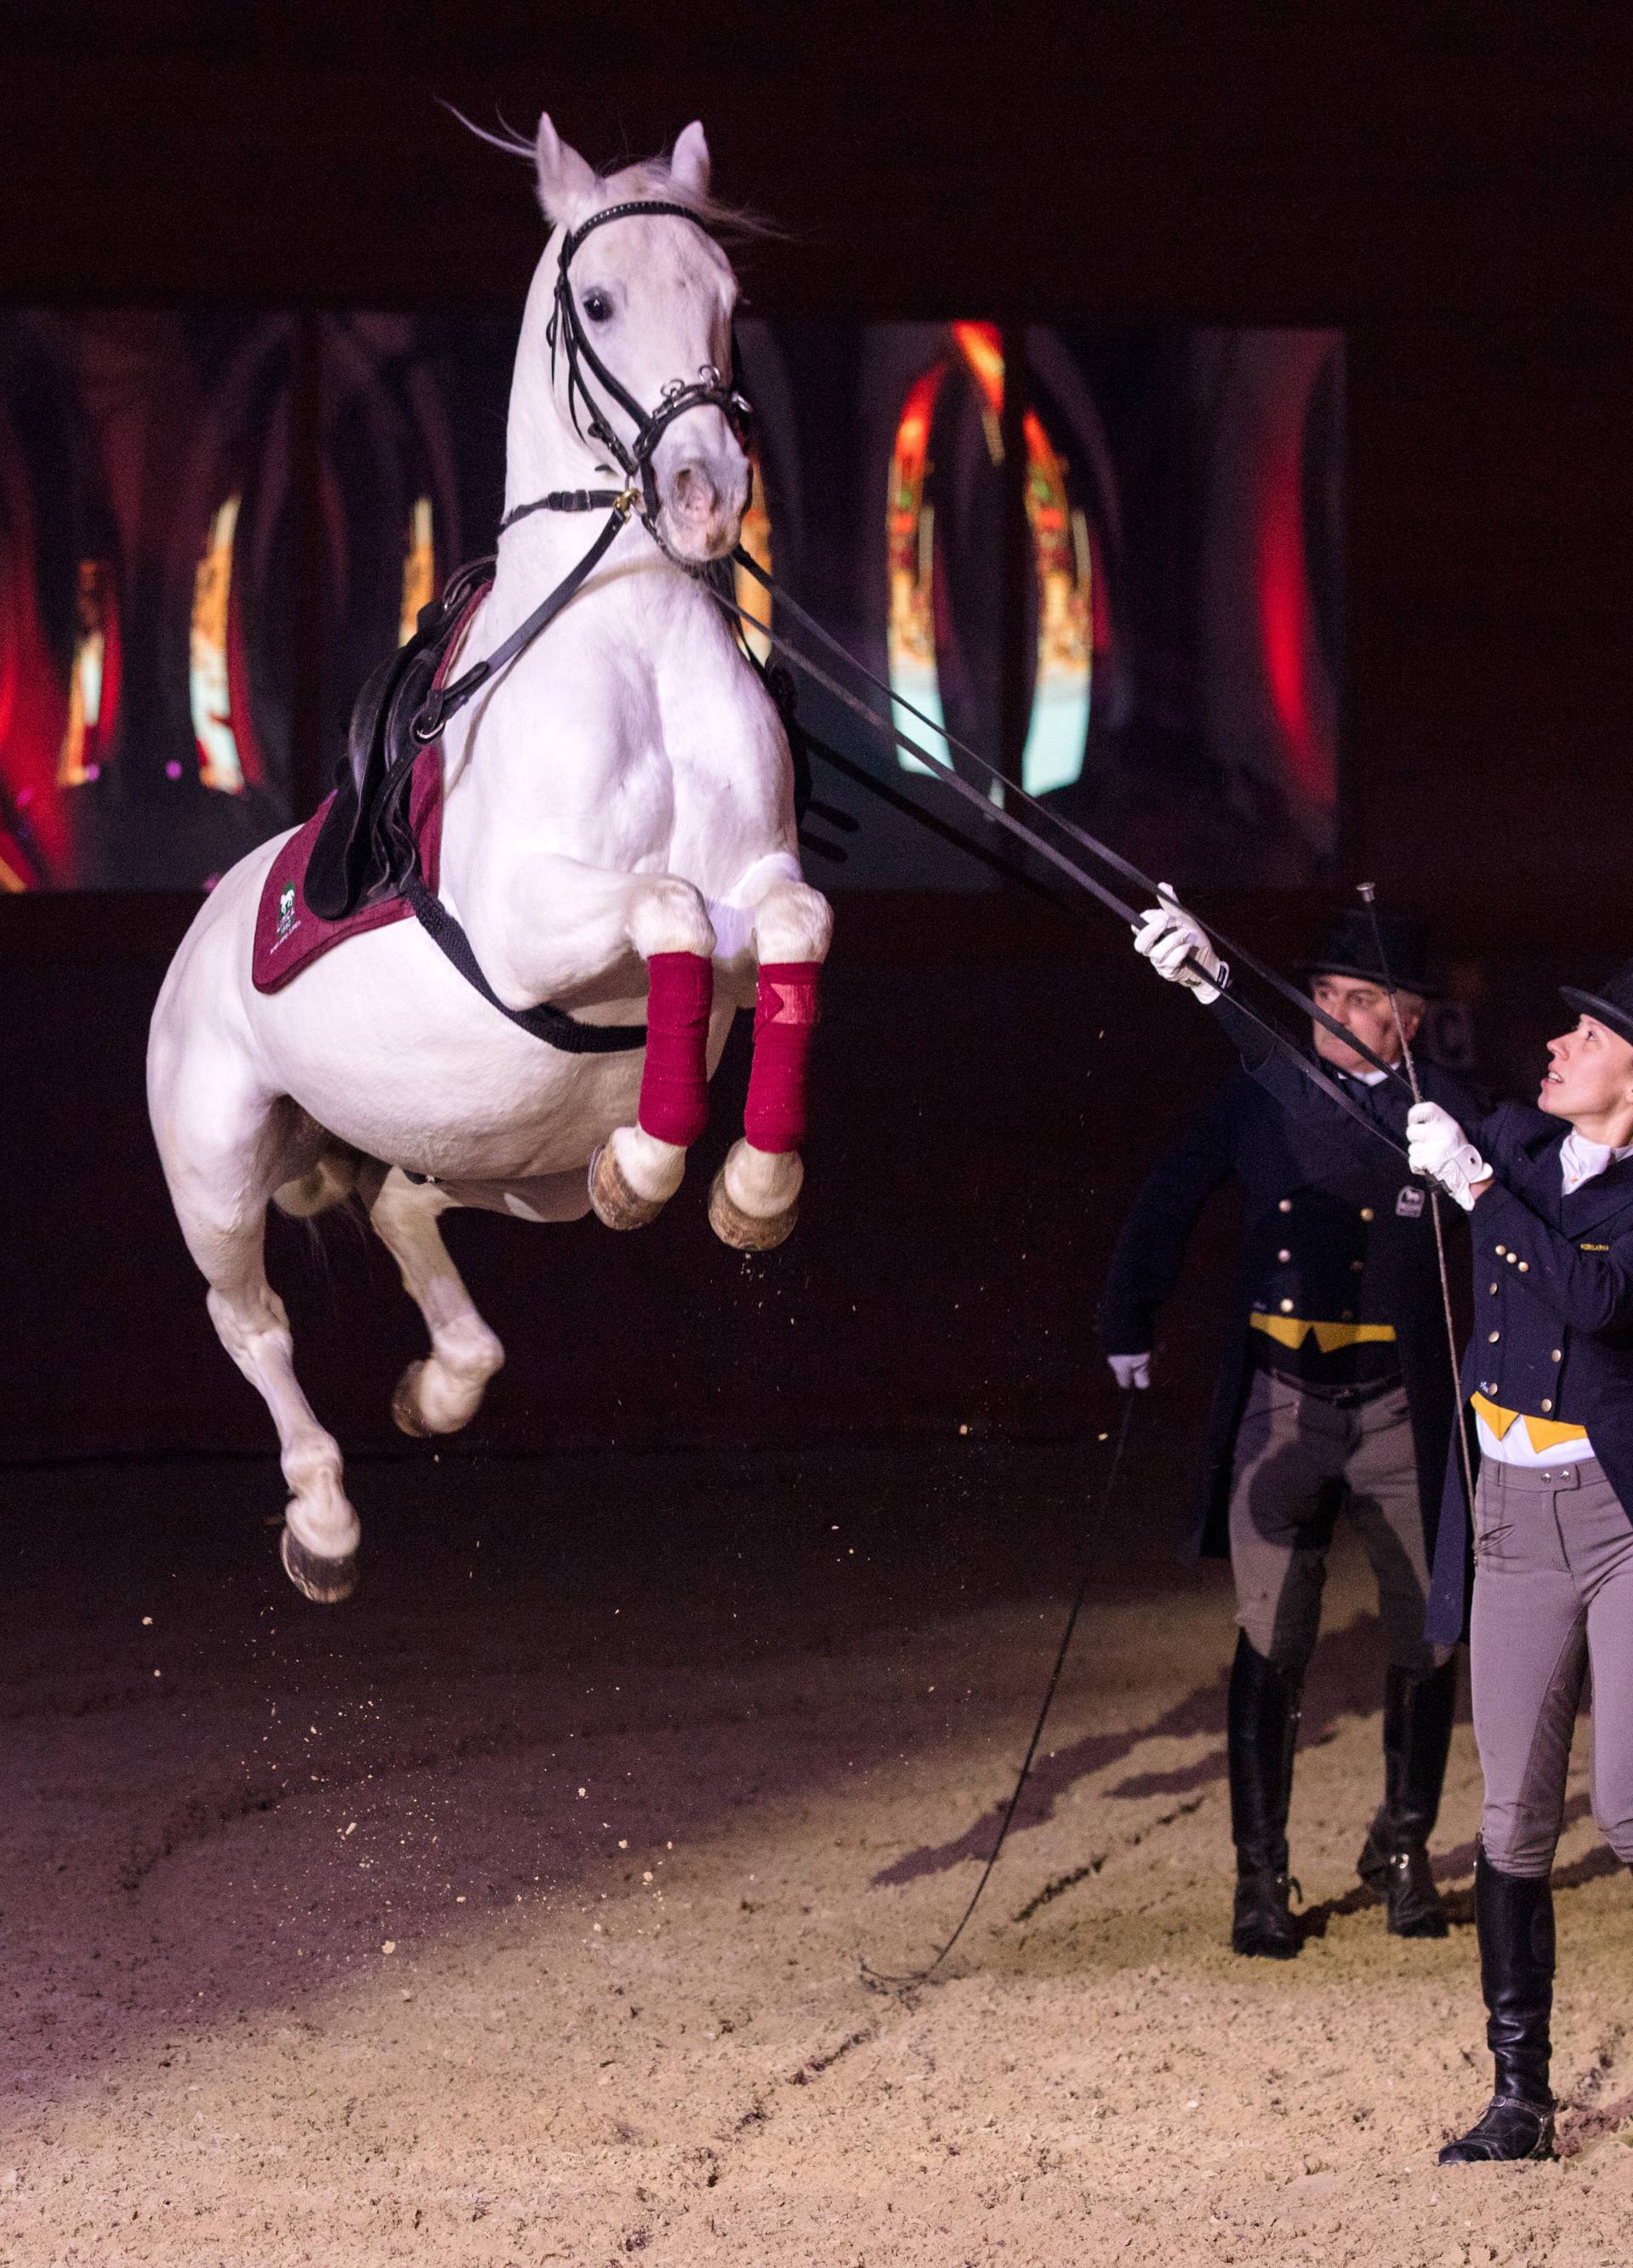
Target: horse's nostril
pixel 695 494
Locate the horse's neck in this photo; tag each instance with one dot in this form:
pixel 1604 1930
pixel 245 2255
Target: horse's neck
pixel 544 456
pixel 635 602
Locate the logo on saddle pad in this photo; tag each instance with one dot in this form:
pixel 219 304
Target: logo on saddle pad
pixel 287 922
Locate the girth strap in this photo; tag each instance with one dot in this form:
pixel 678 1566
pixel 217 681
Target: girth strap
pixel 544 1022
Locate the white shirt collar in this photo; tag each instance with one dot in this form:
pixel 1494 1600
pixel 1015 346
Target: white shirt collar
pixel 1581 1160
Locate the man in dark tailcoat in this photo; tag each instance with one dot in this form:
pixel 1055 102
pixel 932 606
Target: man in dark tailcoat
pixel 1336 1393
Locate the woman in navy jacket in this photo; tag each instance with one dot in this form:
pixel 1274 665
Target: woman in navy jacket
pixel 1547 1379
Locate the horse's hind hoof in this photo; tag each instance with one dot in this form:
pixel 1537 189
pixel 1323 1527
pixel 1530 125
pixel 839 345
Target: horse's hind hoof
pixel 747 1232
pixel 327 1582
pixel 405 1404
pixel 615 1202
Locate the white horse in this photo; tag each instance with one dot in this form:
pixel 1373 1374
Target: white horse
pixel 622 790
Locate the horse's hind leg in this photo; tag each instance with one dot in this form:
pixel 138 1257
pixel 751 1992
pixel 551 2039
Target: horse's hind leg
pixel 444 1391
pixel 224 1154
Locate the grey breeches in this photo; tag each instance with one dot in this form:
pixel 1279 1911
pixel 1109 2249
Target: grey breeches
pixel 1298 1458
pixel 1553 1599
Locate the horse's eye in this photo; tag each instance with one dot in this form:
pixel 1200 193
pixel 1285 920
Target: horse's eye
pixel 596 306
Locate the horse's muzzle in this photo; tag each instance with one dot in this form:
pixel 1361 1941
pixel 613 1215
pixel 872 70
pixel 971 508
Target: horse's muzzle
pixel 702 502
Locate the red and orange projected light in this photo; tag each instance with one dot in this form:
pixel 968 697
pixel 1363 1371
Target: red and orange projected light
pixel 1058 725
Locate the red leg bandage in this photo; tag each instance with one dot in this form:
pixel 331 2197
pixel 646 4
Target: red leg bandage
pixel 785 1015
pixel 674 1084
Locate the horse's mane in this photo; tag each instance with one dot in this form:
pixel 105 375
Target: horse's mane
pixel 641 177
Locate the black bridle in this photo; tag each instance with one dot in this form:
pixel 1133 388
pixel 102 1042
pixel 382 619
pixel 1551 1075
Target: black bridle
pixel 567 335
pixel 707 391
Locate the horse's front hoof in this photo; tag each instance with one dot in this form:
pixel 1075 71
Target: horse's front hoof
pixel 325 1581
pixel 747 1232
pixel 405 1404
pixel 615 1203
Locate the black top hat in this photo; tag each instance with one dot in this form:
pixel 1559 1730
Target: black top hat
pixel 1350 948
pixel 1612 1003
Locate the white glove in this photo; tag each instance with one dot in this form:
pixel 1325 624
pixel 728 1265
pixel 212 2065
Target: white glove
pixel 1130 1370
pixel 1177 948
pixel 1439 1149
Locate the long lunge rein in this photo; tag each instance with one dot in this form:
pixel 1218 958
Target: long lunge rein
pixel 638 496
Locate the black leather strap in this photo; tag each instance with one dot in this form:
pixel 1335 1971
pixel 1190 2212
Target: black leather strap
pixel 564 500
pixel 544 1022
pixel 1014 795
pixel 443 703
pixel 999 815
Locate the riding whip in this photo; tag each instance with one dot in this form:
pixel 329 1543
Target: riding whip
pixel 922 1976
pixel 1369 896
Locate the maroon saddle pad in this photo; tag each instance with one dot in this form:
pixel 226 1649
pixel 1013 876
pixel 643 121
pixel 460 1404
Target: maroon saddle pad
pixel 289 935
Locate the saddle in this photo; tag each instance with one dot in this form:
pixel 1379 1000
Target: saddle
pixel 370 853
pixel 376 839
pixel 365 845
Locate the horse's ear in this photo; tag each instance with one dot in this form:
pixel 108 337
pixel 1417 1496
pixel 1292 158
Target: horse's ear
pixel 565 179
pixel 688 160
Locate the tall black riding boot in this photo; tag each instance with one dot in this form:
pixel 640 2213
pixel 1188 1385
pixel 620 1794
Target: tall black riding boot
pixel 1515 1917
pixel 1263 1719
pixel 1417 1736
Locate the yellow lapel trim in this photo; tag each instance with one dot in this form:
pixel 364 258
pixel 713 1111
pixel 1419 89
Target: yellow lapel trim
pixel 1544 1434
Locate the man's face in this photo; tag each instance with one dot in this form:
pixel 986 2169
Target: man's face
pixel 1589 1077
pixel 1363 1009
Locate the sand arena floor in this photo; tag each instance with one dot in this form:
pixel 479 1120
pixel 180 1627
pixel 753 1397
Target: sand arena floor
pixel 514 1913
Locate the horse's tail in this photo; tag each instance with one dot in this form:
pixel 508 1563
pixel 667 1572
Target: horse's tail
pixel 330 1182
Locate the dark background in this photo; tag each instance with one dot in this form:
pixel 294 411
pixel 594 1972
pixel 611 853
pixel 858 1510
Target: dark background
pixel 1453 190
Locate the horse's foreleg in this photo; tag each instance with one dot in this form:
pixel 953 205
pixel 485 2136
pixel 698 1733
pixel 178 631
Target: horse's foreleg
pixel 444 1391
pixel 639 1167
pixel 754 1202
pixel 564 927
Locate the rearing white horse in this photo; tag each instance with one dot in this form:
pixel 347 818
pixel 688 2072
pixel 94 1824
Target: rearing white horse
pixel 618 810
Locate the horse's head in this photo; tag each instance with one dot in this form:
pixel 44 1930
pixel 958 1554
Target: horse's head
pixel 653 296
